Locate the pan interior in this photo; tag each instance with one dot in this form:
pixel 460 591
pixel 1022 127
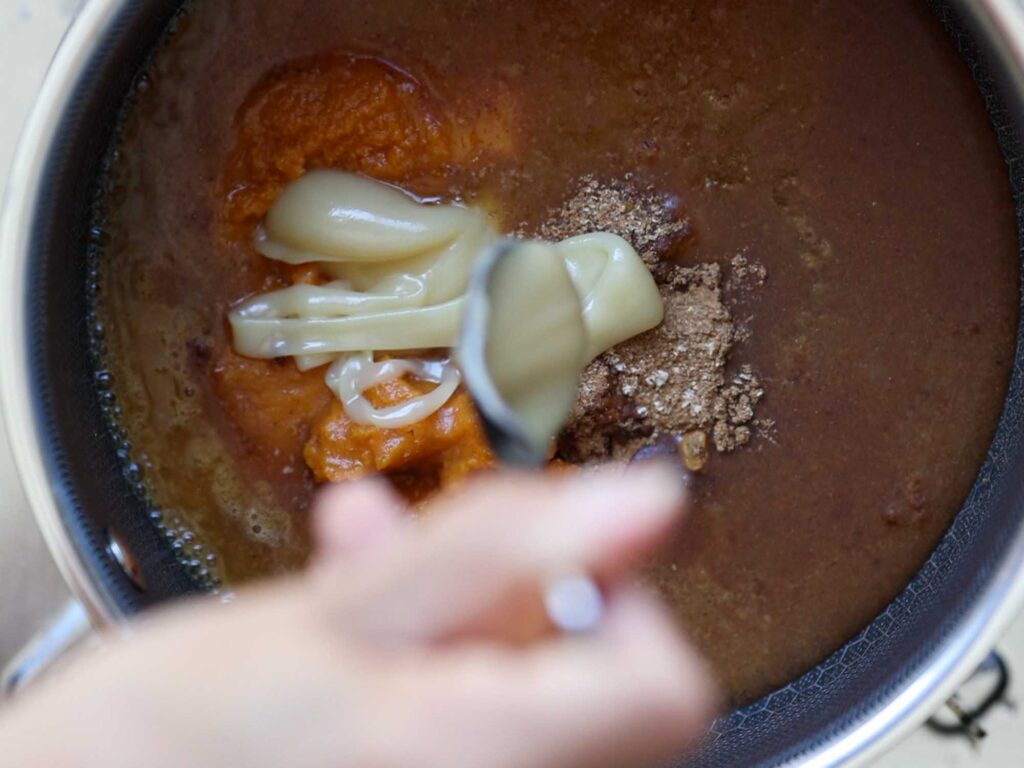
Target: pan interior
pixel 96 493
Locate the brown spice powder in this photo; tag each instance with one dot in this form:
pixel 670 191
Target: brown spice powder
pixel 745 274
pixel 647 220
pixel 669 385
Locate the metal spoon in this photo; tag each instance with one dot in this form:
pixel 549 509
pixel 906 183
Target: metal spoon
pixel 521 347
pixel 521 350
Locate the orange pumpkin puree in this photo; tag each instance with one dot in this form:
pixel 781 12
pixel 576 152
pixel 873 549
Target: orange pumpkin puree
pixel 447 446
pixel 362 115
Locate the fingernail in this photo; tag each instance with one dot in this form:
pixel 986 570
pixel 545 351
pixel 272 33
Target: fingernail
pixel 660 471
pixel 648 495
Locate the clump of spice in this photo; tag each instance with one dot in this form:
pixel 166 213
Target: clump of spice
pixel 647 220
pixel 672 386
pixel 745 274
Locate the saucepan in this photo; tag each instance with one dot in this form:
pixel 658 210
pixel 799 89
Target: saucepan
pixel 881 684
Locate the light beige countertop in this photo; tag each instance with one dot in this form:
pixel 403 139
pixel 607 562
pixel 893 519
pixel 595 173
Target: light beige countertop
pixel 30 587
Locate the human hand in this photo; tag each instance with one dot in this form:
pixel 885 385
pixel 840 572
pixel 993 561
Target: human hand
pixel 407 643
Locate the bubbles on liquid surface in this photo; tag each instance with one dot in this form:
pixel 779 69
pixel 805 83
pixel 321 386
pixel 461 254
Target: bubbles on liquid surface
pixel 200 565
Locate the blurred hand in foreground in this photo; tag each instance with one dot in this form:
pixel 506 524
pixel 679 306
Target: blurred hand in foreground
pixel 407 643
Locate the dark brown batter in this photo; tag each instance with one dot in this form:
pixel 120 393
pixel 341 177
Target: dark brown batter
pixel 841 145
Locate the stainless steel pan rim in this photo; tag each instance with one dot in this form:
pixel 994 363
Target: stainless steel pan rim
pixel 1000 21
pixel 16 224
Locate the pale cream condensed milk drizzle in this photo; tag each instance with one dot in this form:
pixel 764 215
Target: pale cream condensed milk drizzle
pixel 399 270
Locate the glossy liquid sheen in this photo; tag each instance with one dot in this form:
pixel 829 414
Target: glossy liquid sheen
pixel 843 145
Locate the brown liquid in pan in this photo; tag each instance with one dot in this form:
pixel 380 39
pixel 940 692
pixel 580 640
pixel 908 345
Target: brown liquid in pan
pixel 842 145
